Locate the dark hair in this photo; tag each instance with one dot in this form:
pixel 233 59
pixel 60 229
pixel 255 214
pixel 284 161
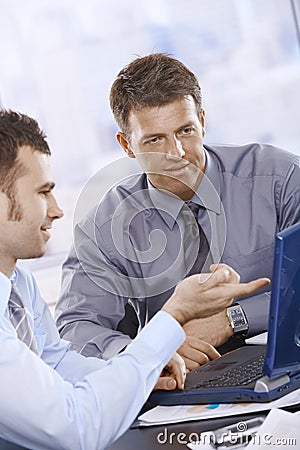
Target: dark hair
pixel 16 131
pixel 151 80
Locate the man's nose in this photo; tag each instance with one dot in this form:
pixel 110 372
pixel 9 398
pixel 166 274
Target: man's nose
pixel 54 210
pixel 175 149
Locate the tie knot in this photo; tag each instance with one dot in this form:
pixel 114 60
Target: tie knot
pixel 19 319
pixel 194 208
pixel 15 300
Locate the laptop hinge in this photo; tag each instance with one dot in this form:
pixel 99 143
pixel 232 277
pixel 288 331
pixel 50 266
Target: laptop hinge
pixel 266 384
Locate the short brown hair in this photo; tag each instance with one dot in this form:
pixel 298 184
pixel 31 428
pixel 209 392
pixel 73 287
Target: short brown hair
pixel 16 131
pixel 151 80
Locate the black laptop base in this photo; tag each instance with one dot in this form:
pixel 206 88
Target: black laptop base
pixel 259 389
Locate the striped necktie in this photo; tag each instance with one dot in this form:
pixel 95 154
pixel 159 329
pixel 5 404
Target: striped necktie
pixel 203 258
pixel 18 317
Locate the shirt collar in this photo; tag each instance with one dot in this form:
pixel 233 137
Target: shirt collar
pixel 207 195
pixel 168 207
pixel 5 289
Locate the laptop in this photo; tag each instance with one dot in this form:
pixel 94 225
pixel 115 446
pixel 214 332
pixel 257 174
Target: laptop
pixel 256 373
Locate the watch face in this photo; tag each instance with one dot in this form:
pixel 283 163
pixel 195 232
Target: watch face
pixel 237 319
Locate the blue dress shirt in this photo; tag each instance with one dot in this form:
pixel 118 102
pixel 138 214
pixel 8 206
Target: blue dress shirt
pixel 131 247
pixel 59 399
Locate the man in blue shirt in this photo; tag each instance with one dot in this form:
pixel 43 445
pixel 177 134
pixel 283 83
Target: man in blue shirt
pixel 52 397
pixel 193 205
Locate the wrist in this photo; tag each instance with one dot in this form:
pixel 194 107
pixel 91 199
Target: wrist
pixel 228 330
pixel 177 315
pixel 175 311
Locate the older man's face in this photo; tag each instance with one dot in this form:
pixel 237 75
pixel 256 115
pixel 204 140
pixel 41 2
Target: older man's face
pixel 167 142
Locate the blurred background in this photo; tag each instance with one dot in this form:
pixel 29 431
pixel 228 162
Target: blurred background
pixel 60 57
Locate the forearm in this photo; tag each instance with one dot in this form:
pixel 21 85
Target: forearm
pixel 92 339
pixel 91 413
pixel 208 294
pixel 87 315
pixel 155 344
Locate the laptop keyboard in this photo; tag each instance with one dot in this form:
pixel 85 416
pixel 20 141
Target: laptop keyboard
pixel 237 376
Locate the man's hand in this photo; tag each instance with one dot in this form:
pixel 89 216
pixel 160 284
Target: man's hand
pixel 205 295
pixel 215 329
pixel 173 375
pixel 196 352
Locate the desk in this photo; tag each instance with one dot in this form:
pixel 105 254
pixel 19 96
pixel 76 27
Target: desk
pixel 169 435
pixel 5 445
pixel 146 438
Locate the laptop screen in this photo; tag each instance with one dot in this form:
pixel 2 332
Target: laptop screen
pixel 283 348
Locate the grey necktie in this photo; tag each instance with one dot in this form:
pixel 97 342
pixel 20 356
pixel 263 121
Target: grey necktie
pixel 18 317
pixel 203 253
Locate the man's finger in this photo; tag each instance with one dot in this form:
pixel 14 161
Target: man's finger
pixel 190 364
pixel 208 350
pixel 177 369
pixel 209 281
pixel 199 350
pixel 165 383
pixel 234 276
pixel 242 289
pixel 254 285
pixel 187 351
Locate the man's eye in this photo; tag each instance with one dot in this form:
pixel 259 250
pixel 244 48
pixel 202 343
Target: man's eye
pixel 153 140
pixel 187 130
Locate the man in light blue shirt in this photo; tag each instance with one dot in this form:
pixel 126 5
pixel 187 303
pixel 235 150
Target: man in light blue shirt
pixel 51 397
pixel 143 231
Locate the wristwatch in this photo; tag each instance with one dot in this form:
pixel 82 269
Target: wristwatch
pixel 237 319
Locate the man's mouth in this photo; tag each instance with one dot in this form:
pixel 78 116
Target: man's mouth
pixel 45 230
pixel 177 169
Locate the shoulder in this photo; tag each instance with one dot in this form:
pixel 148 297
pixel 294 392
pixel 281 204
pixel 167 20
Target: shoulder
pixel 253 159
pixel 118 198
pixel 127 186
pixel 124 193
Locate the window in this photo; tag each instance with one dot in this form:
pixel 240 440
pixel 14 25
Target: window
pixel 59 59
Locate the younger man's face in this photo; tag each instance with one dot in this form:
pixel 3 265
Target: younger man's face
pixel 26 236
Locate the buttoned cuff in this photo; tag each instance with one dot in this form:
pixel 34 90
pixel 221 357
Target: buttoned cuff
pixel 162 334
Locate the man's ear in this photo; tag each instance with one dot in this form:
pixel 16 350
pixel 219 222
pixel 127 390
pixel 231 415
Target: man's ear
pixel 123 141
pixel 202 120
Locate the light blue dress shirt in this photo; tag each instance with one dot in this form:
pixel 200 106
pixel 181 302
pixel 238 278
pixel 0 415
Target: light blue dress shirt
pixel 132 247
pixel 59 399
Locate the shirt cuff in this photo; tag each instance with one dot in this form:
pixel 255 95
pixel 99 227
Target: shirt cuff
pixel 163 334
pixel 256 310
